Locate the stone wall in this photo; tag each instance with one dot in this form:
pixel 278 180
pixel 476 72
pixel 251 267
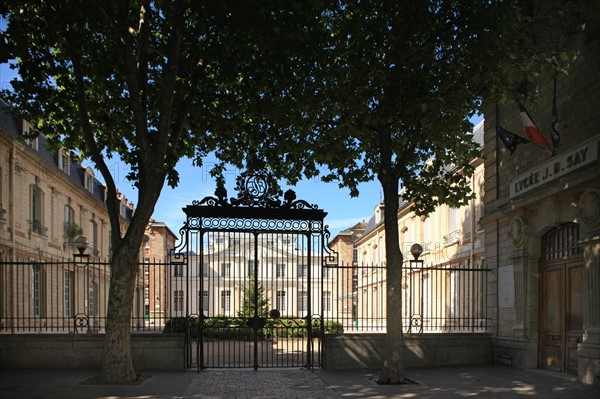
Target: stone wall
pixel 62 351
pixel 165 351
pixel 365 351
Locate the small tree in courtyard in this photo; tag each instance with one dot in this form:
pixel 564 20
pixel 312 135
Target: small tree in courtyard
pixel 254 301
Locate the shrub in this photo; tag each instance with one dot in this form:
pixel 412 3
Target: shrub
pixel 180 325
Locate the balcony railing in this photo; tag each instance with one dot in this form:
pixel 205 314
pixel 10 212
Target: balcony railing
pixel 452 237
pixel 37 227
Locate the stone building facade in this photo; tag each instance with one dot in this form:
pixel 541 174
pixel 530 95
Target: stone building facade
pixel 47 200
pixel 159 240
pixel 542 228
pixel 452 241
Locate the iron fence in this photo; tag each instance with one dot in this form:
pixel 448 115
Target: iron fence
pixel 66 297
pixel 435 299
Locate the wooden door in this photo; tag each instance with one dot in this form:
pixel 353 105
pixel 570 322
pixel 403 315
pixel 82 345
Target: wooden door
pixel 561 316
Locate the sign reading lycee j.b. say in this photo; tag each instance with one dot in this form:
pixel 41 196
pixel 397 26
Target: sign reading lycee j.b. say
pixel 571 160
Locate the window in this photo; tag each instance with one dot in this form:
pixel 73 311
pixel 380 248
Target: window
pixel 88 181
pixel 68 300
pixel 302 271
pixel 70 229
pixel 178 301
pixel 355 255
pixel 93 299
pixel 205 269
pixel 146 265
pixel 36 196
pixel 250 265
pixel 302 301
pixel 2 210
pixel 177 270
pixel 38 291
pixel 225 269
pixel 146 294
pixel 327 301
pixel 95 250
pixel 63 161
pixel 32 142
pixel 280 301
pixel 205 301
pixel 453 219
pixel 225 300
pixel 280 270
pixel 53 217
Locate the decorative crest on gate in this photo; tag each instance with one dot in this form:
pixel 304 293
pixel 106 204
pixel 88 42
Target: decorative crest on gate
pixel 256 188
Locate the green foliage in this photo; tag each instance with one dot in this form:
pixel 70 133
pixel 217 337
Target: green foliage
pixel 72 230
pixel 180 324
pixel 252 295
pixel 238 328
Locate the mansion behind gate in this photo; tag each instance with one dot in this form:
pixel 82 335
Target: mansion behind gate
pixel 233 266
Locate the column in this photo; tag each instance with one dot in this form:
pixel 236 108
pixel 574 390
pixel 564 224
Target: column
pixel 588 350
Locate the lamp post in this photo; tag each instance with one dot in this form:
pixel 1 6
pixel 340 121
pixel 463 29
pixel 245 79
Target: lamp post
pixel 81 259
pixel 416 316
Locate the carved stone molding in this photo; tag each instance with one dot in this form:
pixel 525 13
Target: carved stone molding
pixel 589 209
pixel 519 231
pixel 551 209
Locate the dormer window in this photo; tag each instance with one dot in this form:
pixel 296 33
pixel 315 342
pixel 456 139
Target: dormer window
pixel 30 141
pixel 64 161
pixel 89 180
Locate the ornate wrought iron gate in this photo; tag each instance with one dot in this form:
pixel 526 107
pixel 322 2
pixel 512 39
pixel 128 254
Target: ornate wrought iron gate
pixel 251 277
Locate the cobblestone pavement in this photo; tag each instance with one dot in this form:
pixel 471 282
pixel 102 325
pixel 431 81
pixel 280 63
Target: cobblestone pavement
pixel 264 383
pixel 486 382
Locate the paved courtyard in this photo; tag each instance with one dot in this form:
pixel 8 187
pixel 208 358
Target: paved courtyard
pixel 450 382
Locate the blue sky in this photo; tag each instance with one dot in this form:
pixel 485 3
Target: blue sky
pixel 196 183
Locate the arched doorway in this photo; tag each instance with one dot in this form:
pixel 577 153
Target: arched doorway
pixel 561 298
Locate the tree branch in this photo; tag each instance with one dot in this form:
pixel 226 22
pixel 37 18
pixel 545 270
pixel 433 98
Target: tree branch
pixel 88 134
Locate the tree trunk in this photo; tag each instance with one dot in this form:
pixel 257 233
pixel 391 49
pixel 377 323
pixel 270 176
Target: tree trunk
pixel 393 365
pixel 118 362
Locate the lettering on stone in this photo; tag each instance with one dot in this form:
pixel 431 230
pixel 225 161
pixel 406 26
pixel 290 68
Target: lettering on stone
pixel 571 160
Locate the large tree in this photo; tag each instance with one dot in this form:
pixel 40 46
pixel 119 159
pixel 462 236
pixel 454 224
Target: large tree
pixel 152 82
pixel 392 93
pixel 370 89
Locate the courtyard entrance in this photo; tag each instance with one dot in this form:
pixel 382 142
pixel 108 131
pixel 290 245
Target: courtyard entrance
pixel 248 278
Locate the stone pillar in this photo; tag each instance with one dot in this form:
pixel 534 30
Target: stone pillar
pixel 525 262
pixel 588 351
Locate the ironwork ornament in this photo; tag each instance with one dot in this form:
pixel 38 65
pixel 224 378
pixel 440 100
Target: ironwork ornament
pixel 257 188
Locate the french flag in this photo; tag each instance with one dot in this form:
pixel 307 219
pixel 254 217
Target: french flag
pixel 532 131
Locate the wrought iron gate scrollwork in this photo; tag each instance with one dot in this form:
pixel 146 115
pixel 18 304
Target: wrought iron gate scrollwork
pixel 250 281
